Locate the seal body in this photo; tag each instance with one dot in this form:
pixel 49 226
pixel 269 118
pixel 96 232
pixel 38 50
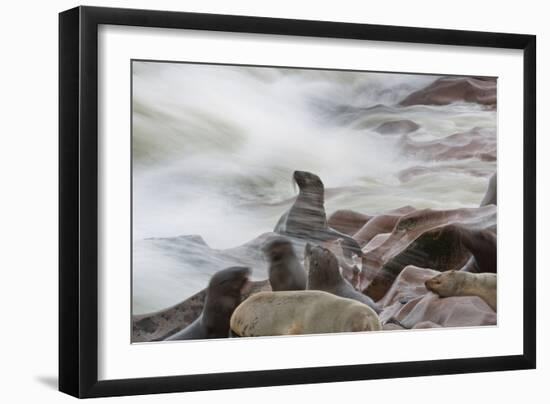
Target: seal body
pixel 223 295
pixel 324 274
pixel 285 270
pixel 460 283
pixel 483 246
pixel 307 219
pixel 301 312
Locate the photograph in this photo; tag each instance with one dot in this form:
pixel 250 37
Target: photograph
pixel 280 201
pixel 227 202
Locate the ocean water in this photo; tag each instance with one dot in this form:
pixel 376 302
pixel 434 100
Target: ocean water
pixel 214 149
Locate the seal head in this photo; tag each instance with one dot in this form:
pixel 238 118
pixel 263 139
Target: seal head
pixel 285 270
pixel 445 284
pixel 305 180
pixel 323 272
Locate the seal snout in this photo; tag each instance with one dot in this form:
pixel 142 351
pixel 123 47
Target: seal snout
pixel 242 275
pixel 429 284
pixel 246 286
pixel 433 283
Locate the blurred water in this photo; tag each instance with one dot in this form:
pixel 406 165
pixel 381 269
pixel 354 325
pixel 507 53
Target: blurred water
pixel 214 148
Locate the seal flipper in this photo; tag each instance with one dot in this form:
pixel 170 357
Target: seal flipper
pixel 280 227
pixel 233 334
pixel 393 320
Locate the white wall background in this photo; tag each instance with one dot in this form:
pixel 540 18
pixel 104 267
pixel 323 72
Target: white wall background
pixel 28 202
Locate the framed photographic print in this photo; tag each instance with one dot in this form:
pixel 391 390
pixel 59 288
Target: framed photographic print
pixel 239 194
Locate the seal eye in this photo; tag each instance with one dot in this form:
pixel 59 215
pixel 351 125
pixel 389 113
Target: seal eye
pixel 277 256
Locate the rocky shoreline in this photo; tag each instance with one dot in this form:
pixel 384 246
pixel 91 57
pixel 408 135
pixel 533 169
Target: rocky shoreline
pixel 400 249
pixel 420 244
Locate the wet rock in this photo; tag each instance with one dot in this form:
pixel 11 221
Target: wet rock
pixel 457 168
pixel 399 127
pixel 447 90
pixel 347 221
pixel 477 143
pixel 377 225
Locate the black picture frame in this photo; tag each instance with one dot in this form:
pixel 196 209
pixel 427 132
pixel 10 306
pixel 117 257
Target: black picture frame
pixel 78 200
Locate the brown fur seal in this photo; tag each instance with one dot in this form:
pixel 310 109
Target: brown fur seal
pixel 483 246
pixel 324 274
pixel 222 297
pixel 301 312
pixel 458 283
pixel 307 219
pixel 285 270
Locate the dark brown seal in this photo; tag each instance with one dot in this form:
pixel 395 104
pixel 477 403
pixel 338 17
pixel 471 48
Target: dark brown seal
pixel 483 246
pixel 285 270
pixel 222 297
pixel 307 219
pixel 324 274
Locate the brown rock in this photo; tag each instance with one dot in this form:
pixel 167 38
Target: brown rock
pixel 376 242
pixel 377 225
pixel 447 90
pixel 426 324
pixel 347 221
pixel 392 327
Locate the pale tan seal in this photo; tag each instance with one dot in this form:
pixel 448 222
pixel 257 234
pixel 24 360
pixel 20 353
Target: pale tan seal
pixel 301 312
pixel 459 283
